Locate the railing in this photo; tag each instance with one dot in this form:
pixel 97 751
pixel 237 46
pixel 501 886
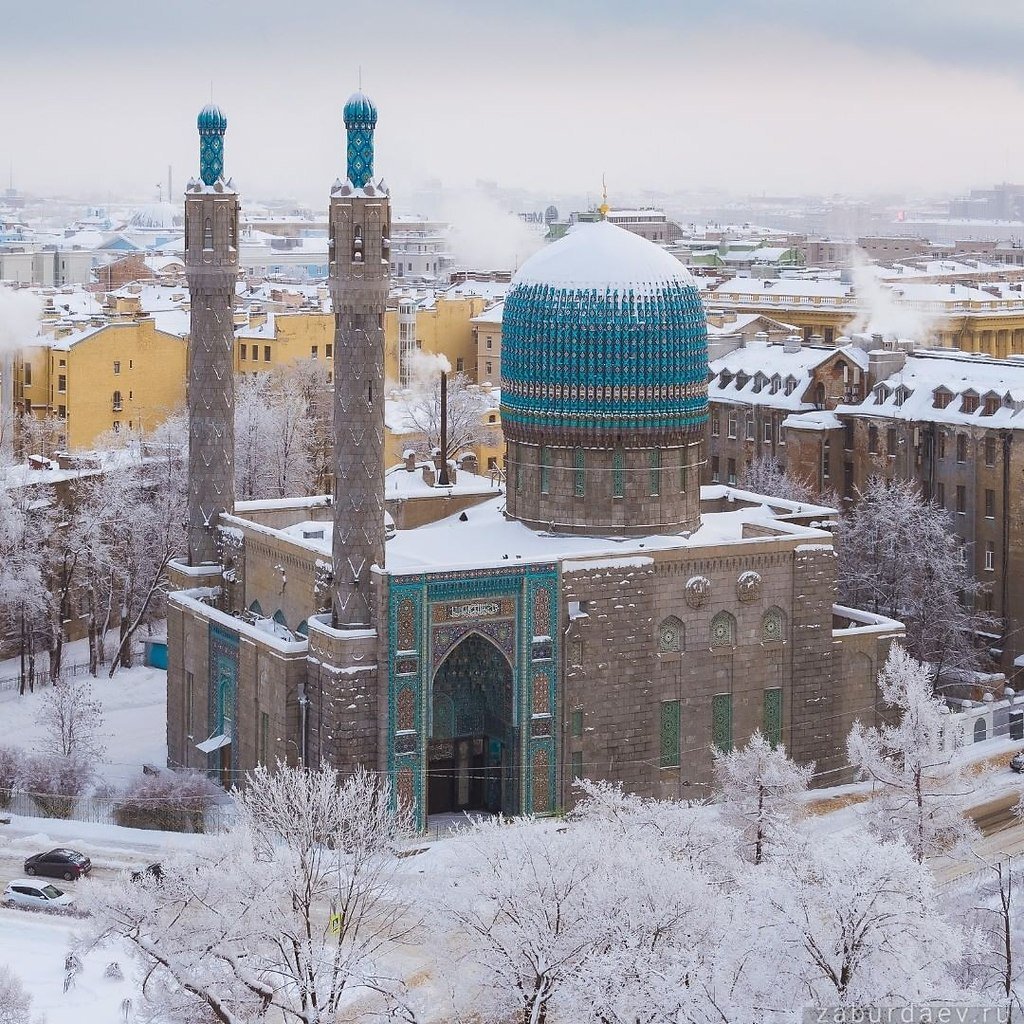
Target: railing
pixel 100 811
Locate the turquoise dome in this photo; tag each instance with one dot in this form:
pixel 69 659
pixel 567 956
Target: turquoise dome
pixel 359 111
pixel 211 119
pixel 604 343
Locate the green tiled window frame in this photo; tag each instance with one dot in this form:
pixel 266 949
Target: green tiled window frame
pixel 618 474
pixel 577 723
pixel 670 751
pixel 773 715
pixel 656 471
pixel 721 721
pixel 579 472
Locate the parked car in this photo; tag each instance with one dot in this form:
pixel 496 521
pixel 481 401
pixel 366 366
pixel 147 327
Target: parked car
pixel 26 892
pixel 1017 762
pixel 61 863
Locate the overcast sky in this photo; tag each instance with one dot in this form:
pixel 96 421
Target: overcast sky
pixel 777 96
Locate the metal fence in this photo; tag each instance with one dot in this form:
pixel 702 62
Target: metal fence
pixel 41 677
pixel 100 810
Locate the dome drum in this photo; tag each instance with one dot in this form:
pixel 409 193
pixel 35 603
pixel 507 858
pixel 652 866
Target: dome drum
pixel 605 491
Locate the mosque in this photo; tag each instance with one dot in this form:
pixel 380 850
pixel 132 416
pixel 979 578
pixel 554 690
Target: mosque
pixel 601 616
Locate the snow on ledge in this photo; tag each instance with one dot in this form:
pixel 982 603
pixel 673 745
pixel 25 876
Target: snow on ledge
pixel 635 562
pixel 864 622
pixel 190 600
pixel 203 571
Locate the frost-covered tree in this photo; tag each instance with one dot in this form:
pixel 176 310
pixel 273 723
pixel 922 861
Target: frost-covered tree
pixel 15 1002
pixel 71 719
pixel 759 789
pixel 282 431
pixel 846 922
pixel 991 904
pixel 764 475
pixel 914 763
pixel 899 555
pixel 535 905
pixel 292 912
pixel 416 411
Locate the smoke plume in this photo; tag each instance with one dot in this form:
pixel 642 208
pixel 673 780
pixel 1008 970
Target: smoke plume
pixel 19 318
pixel 880 312
pixel 485 236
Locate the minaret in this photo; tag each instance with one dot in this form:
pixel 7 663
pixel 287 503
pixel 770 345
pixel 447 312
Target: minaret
pixel 211 267
pixel 360 272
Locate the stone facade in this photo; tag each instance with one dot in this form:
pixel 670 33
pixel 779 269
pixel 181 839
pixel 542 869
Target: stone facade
pixel 211 269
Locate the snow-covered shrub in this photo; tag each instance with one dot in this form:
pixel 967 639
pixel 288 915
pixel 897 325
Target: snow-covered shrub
pixel 10 769
pixel 55 784
pixel 170 802
pixel 15 1002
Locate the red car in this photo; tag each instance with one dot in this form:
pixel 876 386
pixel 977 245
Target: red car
pixel 66 864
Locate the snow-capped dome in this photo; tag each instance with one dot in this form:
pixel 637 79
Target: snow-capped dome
pixel 360 111
pixel 603 256
pixel 604 343
pixel 211 119
pixel 157 217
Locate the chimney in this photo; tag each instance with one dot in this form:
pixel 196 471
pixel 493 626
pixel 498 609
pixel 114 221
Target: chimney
pixel 792 343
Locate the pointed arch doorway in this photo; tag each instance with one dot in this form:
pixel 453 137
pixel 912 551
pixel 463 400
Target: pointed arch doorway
pixel 471 756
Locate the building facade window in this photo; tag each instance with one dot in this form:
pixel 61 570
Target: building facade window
pixel 890 442
pixel 772 626
pixel 961 447
pixel 766 434
pixel 940 445
pixel 670 635
pixel 961 499
pixel 750 428
pixel 990 451
pixel 723 630
pixel 241 350
pixel 266 353
pixel 721 721
pixel 669 734
pixel 990 556
pixel 716 425
pixel 940 494
pixel 579 471
pixel 848 435
pixel 990 503
pixel 715 475
pixel 62 383
pixel 577 722
pixel 117 366
pixel 732 471
pixel 618 474
pixel 731 424
pixel 577 765
pixel 772 719
pixel 873 439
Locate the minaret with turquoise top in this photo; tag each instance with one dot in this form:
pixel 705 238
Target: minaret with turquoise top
pixel 211 268
pixel 360 274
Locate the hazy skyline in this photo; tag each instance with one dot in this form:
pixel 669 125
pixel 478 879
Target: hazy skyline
pixel 751 95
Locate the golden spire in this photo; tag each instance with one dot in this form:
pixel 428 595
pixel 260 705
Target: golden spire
pixel 604 207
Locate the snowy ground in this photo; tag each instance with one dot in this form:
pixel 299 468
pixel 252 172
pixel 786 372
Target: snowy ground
pixel 34 947
pixel 134 729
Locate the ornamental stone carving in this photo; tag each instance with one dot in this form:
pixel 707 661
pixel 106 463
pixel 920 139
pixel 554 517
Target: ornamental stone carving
pixel 748 586
pixel 698 591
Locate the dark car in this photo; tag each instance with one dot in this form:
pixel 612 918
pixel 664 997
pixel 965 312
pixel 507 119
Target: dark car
pixel 66 864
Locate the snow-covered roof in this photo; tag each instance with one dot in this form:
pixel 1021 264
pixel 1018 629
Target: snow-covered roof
pixel 910 394
pixel 764 370
pixel 604 257
pixel 491 315
pixel 776 290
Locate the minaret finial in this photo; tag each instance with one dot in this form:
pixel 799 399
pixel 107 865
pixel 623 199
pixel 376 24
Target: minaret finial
pixel 360 120
pixel 212 125
pixel 604 207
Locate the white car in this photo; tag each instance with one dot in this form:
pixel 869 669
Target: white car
pixel 35 894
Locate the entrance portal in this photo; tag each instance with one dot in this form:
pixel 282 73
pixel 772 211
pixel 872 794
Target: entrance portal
pixel 471 760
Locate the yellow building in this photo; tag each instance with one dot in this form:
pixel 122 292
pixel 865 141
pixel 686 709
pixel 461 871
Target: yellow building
pixel 266 340
pixel 121 375
pixel 443 326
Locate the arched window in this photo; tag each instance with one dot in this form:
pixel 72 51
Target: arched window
pixel 280 619
pixel 256 609
pixel 303 628
pixel 208 234
pixel 117 401
pixel 670 635
pixel 723 630
pixel 773 625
